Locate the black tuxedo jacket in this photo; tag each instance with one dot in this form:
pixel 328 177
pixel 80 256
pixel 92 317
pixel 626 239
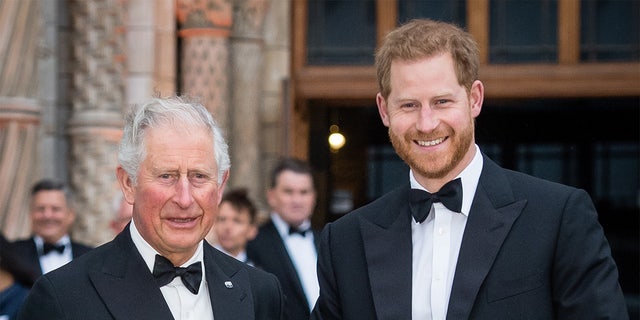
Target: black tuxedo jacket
pixel 531 249
pixel 113 282
pixel 268 252
pixel 27 249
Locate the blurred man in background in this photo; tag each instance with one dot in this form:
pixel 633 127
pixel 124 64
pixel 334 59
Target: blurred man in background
pixel 123 211
pixel 52 214
pixel 235 224
pixel 286 245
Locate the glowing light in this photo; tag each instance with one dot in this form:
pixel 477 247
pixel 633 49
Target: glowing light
pixel 336 139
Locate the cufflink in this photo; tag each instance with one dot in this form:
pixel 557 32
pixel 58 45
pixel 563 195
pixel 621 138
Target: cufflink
pixel 228 284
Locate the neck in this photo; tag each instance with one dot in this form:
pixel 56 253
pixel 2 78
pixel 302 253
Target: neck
pixel 6 280
pixel 178 258
pixel 234 253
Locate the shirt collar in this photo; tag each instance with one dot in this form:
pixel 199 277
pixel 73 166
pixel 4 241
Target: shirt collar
pixel 469 177
pixel 65 240
pixel 283 227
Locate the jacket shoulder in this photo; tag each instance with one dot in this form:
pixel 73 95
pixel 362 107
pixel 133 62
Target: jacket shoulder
pixel 386 207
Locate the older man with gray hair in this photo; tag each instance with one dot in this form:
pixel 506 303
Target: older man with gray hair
pixel 173 166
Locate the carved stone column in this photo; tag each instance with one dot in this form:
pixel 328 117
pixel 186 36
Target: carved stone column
pixel 204 28
pixel 19 122
pixel 95 126
pixel 247 48
pixel 20 111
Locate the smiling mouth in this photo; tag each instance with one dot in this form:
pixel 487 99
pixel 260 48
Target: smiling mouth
pixel 182 220
pixel 430 143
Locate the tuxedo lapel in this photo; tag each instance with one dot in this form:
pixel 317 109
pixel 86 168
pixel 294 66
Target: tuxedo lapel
pixel 229 286
pixel 388 250
pixel 283 258
pixel 126 285
pixel 316 239
pixel 33 257
pixel 492 215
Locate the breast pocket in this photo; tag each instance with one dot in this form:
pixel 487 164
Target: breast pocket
pixel 505 288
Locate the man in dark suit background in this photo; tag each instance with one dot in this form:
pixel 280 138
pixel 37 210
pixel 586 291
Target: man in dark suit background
pixel 52 214
pixel 286 245
pixel 173 166
pixel 489 243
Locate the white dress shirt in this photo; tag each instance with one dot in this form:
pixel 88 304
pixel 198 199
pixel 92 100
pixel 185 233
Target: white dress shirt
pixel 302 251
pixel 183 304
pixel 53 260
pixel 436 245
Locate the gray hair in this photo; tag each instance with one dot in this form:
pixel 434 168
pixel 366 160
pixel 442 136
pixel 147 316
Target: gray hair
pixel 174 111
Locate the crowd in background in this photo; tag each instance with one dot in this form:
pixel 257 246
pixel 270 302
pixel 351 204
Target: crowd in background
pixel 462 239
pixel 291 198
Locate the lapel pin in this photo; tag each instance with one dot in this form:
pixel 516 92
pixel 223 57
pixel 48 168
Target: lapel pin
pixel 228 284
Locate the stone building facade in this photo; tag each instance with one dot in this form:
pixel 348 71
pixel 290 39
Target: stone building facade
pixel 69 69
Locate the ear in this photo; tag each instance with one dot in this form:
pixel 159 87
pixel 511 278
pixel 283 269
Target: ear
pixel 221 186
pixel 126 185
pixel 71 214
pixel 382 109
pixel 476 97
pixel 253 232
pixel 270 196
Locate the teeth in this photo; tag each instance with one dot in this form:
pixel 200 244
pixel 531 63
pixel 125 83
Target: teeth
pixel 182 220
pixel 430 143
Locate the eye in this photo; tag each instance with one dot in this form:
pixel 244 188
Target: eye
pixel 409 105
pixel 441 102
pixel 166 178
pixel 199 178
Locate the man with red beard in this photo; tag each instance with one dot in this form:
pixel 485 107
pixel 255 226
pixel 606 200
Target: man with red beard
pixel 463 238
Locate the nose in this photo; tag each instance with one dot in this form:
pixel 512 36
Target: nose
pixel 47 212
pixel 183 195
pixel 427 119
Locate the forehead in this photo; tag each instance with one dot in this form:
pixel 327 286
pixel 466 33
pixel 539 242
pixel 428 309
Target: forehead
pixel 292 179
pixel 168 144
pixel 227 209
pixel 434 74
pixel 54 197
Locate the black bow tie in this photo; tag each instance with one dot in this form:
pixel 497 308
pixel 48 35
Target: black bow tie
pixel 48 247
pixel 294 230
pixel 165 272
pixel 450 195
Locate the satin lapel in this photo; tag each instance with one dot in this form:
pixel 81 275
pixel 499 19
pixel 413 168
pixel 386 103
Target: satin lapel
pixel 316 239
pixel 34 259
pixel 387 244
pixel 229 286
pixel 492 215
pixel 126 285
pixel 284 259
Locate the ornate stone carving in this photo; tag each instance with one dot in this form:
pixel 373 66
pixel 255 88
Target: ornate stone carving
pixel 96 120
pixel 204 26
